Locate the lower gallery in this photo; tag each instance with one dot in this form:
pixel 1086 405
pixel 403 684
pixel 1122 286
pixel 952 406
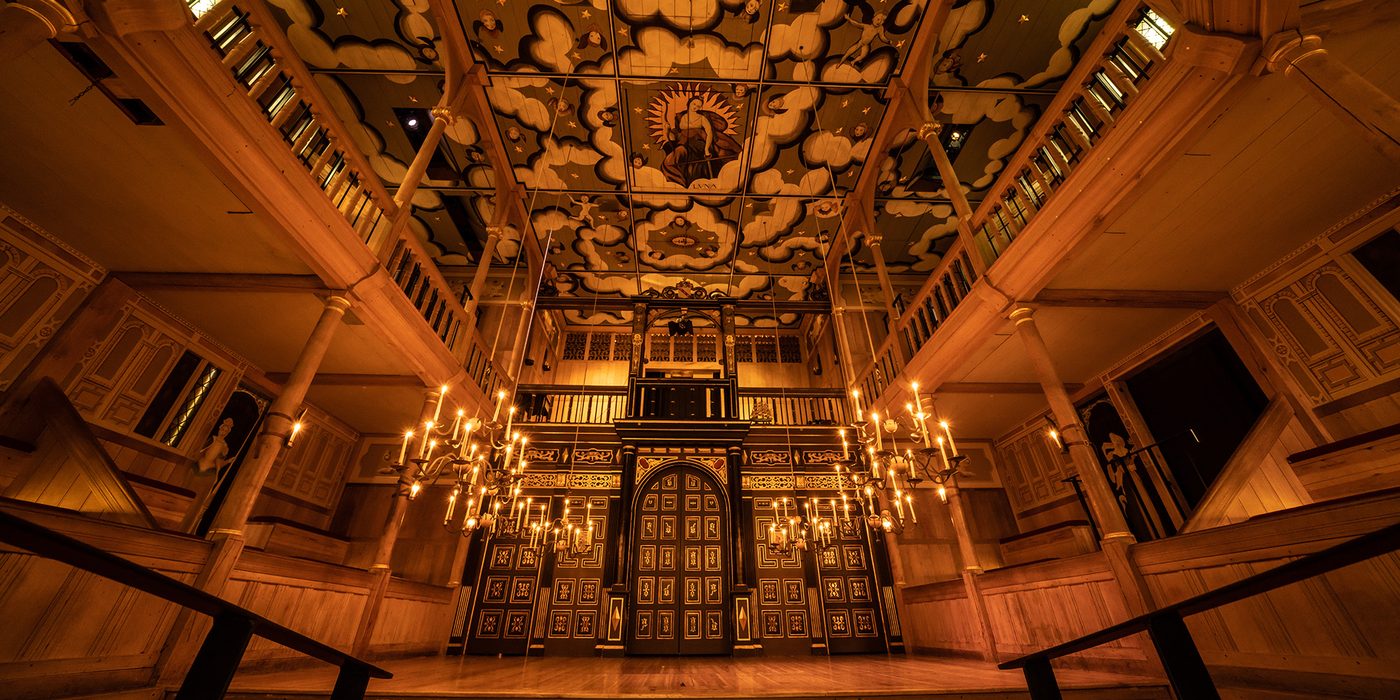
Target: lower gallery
pixel 721 349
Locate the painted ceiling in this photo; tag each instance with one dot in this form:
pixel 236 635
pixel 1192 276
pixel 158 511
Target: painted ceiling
pixel 710 140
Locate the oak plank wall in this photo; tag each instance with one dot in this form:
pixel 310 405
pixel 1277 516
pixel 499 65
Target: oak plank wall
pixel 69 631
pixel 1333 632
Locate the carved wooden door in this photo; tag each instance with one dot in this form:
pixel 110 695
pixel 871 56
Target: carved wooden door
pixel 679 566
pixel 847 581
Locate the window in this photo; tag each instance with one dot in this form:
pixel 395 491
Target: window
pixel 1381 257
pixel 1154 29
pixel 179 399
pixel 573 345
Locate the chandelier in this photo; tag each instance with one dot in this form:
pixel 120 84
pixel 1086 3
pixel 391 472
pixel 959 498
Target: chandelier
pixel 884 475
pixel 483 459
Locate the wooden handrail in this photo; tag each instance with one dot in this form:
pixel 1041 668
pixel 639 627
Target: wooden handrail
pixel 223 648
pixel 1185 670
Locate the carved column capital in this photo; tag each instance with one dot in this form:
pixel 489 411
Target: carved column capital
pixel 930 130
pixel 55 17
pixel 1284 50
pixel 1022 314
pixel 496 232
pixel 874 239
pixel 444 113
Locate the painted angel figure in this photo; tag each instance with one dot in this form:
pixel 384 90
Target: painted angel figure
pixel 585 205
pixel 868 34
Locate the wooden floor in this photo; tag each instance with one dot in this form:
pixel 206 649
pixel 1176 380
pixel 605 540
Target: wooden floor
pixel 693 677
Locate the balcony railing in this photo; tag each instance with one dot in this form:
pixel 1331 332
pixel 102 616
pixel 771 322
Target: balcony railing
pixel 588 405
pixel 947 286
pixel 793 406
pixel 1077 121
pixel 1086 114
pixel 256 53
pixel 284 93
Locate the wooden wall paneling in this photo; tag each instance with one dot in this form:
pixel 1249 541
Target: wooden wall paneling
pixel 312 472
pixel 67 631
pixel 940 619
pixel 1326 634
pixel 1033 472
pixel 414 619
pixel 43 281
pixel 1257 478
pixel 1038 605
pixel 1327 321
pixel 1373 465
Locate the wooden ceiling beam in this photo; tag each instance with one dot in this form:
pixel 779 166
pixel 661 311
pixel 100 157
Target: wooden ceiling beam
pixel 222 282
pixel 744 306
pixel 355 380
pixel 996 388
pixel 1127 298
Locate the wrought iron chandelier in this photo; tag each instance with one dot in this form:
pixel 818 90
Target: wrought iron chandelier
pixel 886 475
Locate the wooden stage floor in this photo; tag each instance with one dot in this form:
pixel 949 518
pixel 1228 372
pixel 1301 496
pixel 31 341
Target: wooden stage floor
pixel 693 677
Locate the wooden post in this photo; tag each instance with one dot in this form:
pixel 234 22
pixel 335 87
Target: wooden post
pixel 483 267
pixel 277 425
pixel 1101 498
pixel 1186 671
pixel 381 570
pixel 1102 501
pixel 886 288
pixel 1371 111
pixel 442 118
pixel 218 658
pixel 929 133
pixel 972 568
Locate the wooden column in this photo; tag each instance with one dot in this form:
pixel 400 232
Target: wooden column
pixel 1371 111
pixel 1102 502
pixel 277 425
pixel 1100 494
pixel 522 336
pixel 381 570
pixel 442 118
pixel 972 568
pixel 877 253
pixel 483 267
pixel 929 133
pixel 29 23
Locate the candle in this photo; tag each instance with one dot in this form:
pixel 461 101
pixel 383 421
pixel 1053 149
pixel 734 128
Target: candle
pixel 909 499
pixel 442 397
pixel 899 502
pixel 432 445
pixel 952 447
pixel 855 394
pixel 510 418
pixel 452 503
pixel 923 427
pixel 500 398
pixel 423 447
pixel 457 424
pixel 403 450
pixel 942 452
pixel 845 446
pixel 879 441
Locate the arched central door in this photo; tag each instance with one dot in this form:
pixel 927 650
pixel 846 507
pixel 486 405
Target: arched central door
pixel 679 564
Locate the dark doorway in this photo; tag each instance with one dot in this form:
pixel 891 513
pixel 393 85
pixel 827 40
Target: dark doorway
pixel 1199 402
pixel 244 412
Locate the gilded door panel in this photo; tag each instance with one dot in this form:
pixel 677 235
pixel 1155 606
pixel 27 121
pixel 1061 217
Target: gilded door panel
pixel 679 566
